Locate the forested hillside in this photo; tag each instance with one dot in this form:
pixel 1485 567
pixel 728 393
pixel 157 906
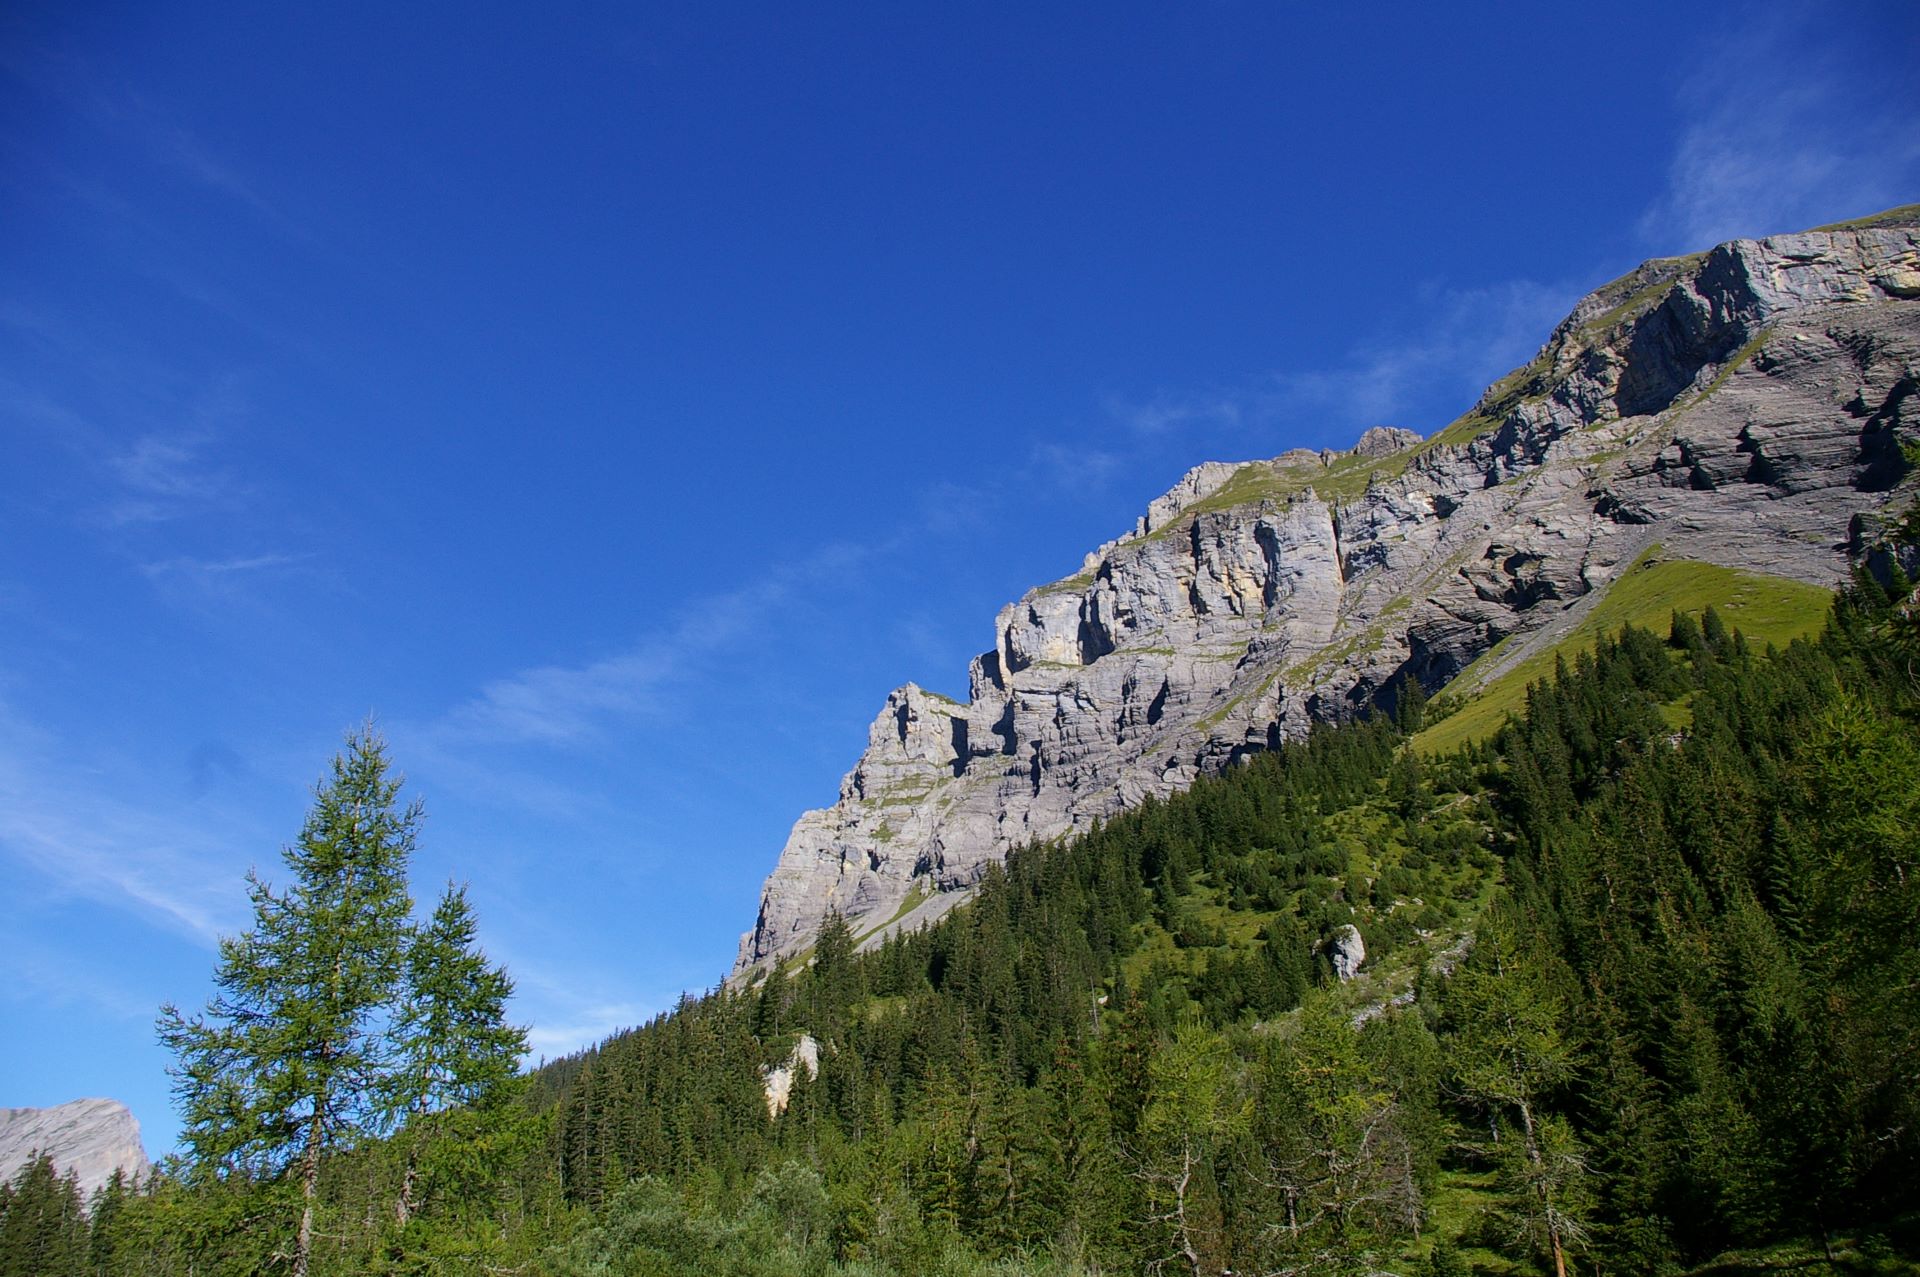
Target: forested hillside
pixel 1641 994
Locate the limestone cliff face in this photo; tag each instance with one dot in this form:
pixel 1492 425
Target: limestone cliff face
pixel 1744 406
pixel 90 1138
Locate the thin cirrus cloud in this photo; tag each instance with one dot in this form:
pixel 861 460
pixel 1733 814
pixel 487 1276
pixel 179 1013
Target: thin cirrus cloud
pixel 40 973
pixel 112 853
pixel 184 153
pixel 563 705
pixel 167 468
pixel 1782 133
pixel 1467 338
pixel 156 478
pixel 95 95
pixel 1064 466
pixel 572 705
pixel 548 1041
pixel 575 1004
pixel 211 570
pixel 1779 133
pixel 568 1017
pixel 219 587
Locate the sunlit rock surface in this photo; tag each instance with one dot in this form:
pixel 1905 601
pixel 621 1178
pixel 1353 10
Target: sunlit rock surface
pixel 91 1138
pixel 1744 407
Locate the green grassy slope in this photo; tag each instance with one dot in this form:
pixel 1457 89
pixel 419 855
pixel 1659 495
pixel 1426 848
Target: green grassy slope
pixel 1768 609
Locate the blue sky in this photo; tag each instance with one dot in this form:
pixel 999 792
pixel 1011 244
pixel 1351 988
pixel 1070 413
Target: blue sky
pixel 618 404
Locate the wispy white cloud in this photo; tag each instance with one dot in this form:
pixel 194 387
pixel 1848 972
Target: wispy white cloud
pixel 1167 410
pixel 1060 464
pixel 188 155
pixel 573 1011
pixel 221 590
pixel 580 1027
pixel 1465 339
pixel 164 474
pixel 561 704
pixel 1468 338
pixel 946 508
pixel 214 573
pixel 1780 131
pixel 116 857
pixel 936 645
pixel 81 842
pixel 136 489
pixel 104 100
pixel 166 468
pixel 136 475
pixel 457 762
pixel 37 973
pixel 571 705
pixel 215 569
pixel 30 408
pixel 1784 131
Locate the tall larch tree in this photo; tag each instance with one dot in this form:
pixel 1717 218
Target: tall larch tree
pixel 291 1057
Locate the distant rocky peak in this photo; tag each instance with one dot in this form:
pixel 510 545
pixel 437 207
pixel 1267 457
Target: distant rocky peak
pixel 89 1138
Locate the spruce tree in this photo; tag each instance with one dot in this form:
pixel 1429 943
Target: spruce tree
pixel 452 1044
pixel 290 1059
pixel 107 1211
pixel 43 1227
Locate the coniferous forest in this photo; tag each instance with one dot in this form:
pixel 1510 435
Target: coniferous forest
pixel 1641 995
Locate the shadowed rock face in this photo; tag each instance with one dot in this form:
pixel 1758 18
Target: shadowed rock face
pixel 91 1138
pixel 1743 407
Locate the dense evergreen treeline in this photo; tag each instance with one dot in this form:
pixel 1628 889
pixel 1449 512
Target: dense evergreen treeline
pixel 1682 1037
pixel 1732 925
pixel 44 1227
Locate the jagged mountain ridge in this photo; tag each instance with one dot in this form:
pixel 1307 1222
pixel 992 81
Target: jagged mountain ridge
pixel 1744 407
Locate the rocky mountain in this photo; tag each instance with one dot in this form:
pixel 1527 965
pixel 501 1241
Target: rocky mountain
pixel 1745 407
pixel 91 1138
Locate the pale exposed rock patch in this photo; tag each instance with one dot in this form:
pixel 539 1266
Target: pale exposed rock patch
pixel 779 1078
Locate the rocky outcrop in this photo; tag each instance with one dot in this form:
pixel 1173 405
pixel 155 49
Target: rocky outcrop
pixel 1346 950
pixel 89 1138
pixel 778 1079
pixel 1745 407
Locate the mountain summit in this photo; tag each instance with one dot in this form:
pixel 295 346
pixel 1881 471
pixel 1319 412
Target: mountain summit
pixel 1744 410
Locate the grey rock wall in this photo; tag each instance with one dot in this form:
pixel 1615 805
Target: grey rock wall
pixel 1744 407
pixel 91 1138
